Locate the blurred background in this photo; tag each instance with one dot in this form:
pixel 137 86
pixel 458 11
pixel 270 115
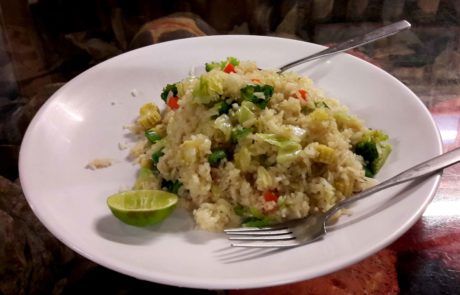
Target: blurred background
pixel 45 43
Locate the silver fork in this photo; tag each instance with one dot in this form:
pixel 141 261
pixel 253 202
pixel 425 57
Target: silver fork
pixel 312 228
pixel 372 36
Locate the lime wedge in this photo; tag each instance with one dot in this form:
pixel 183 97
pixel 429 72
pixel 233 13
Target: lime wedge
pixel 142 207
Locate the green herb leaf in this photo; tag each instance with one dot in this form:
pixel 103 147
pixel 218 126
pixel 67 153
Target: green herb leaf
pixel 240 133
pixel 167 89
pixel 223 107
pixel 367 150
pixel 155 159
pixel 240 210
pixel 233 60
pixel 212 65
pixel 157 155
pixel 260 95
pixel 152 136
pixel 373 151
pixel 216 156
pixel 257 222
pixel 221 64
pixel 171 186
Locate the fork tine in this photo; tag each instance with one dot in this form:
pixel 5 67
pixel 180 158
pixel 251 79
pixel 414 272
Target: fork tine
pixel 262 238
pixel 253 229
pixel 282 244
pixel 259 232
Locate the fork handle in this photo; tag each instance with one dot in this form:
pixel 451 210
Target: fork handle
pixel 426 168
pixel 354 42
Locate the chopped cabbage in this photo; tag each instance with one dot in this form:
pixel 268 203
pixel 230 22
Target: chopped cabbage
pixel 209 88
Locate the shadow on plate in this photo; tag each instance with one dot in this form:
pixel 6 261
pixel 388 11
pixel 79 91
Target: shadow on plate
pixel 112 229
pixel 180 222
pixel 200 237
pixel 231 254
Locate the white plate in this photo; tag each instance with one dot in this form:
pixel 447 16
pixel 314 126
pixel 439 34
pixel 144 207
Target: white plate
pixel 84 121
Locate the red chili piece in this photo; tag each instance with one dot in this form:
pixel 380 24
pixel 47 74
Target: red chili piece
pixel 229 68
pixel 173 102
pixel 303 93
pixel 270 196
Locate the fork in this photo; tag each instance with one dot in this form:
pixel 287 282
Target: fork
pixel 372 36
pixel 313 227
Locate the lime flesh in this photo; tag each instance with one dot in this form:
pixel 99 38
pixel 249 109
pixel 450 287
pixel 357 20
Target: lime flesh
pixel 142 207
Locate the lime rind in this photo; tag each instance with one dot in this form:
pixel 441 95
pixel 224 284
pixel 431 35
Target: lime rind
pixel 142 207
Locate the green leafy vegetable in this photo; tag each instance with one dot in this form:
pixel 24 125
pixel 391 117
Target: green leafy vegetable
pixel 224 125
pixel 377 136
pixel 281 202
pixel 221 65
pixel 233 60
pixel 252 217
pixel 367 150
pixel 156 158
pixel 240 210
pixel 157 155
pixel 240 133
pixel 223 107
pixel 249 105
pixel 209 88
pixel 216 156
pixel 260 95
pixel 244 114
pixel 212 65
pixel 170 88
pixel 345 120
pixel 288 150
pixel 272 139
pixel 257 222
pixel 152 136
pixel 373 150
pixel 242 158
pixel 385 150
pixel 171 186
